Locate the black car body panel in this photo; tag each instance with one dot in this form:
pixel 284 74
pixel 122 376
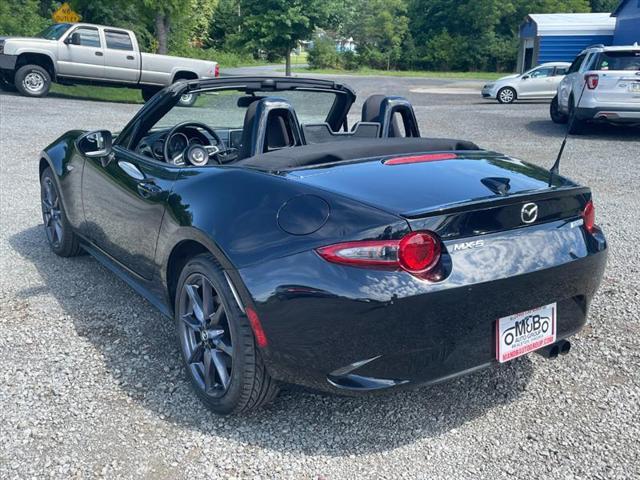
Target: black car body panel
pixel 336 327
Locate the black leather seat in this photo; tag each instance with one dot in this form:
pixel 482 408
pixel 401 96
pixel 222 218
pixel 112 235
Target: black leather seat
pixel 388 111
pixel 269 124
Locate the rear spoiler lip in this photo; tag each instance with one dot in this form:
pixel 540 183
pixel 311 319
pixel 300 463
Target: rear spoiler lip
pixel 482 204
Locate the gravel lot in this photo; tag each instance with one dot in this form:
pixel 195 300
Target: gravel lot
pixel 91 384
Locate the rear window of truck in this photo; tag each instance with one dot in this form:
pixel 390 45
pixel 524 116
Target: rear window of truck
pixel 118 40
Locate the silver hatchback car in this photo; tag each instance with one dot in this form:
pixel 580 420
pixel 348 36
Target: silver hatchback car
pixel 540 82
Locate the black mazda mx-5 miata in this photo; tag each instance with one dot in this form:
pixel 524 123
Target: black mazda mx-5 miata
pixel 293 243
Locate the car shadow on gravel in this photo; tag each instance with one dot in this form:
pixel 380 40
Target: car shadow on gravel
pixel 141 360
pixel 593 131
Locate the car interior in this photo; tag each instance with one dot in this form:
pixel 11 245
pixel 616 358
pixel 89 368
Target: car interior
pixel 283 130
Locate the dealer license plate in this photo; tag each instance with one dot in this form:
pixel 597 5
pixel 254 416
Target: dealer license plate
pixel 634 87
pixel 525 332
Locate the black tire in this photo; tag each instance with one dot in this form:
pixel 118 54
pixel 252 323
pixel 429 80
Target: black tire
pixel 506 95
pixel 60 235
pixel 33 81
pixel 554 111
pixel 149 92
pixel 576 125
pixel 187 100
pixel 238 380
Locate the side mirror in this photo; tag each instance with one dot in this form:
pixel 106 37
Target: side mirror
pixel 73 39
pixel 525 77
pixel 95 144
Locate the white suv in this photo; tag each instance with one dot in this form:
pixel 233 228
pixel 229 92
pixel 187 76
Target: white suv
pixel 608 80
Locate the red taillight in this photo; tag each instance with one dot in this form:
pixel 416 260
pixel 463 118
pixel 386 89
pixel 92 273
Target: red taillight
pixel 431 157
pixel 416 252
pixel 592 80
pixel 589 216
pixel 216 71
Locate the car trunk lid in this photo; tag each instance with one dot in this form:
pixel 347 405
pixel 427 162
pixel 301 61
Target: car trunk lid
pixel 453 193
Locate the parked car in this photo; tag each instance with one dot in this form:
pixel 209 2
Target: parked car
pixel 289 247
pixel 538 83
pixel 606 82
pixel 71 53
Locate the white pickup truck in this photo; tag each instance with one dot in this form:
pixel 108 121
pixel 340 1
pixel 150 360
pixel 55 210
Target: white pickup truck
pixel 72 53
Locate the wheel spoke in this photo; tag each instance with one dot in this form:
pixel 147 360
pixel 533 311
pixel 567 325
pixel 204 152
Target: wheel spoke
pixel 221 368
pixel 58 229
pixel 207 298
pixel 191 321
pixel 223 347
pixel 196 354
pixel 209 371
pixel 217 315
pixel 196 302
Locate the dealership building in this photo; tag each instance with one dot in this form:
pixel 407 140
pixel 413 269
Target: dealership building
pixel 559 37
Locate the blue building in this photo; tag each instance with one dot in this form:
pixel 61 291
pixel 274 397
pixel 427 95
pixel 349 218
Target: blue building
pixel 627 17
pixel 559 37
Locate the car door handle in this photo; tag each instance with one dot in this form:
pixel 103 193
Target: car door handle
pixel 99 54
pixel 130 57
pixel 148 189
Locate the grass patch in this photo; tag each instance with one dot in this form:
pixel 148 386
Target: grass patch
pixel 100 94
pixel 404 73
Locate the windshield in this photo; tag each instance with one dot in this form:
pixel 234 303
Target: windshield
pixel 54 32
pixel 227 108
pixel 627 60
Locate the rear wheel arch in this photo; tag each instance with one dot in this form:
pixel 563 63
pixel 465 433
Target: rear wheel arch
pixel 178 258
pixel 184 75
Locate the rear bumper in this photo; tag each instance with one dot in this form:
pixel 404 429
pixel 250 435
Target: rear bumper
pixel 348 330
pixel 611 114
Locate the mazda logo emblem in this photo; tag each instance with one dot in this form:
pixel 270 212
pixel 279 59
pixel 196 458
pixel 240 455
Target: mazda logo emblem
pixel 529 213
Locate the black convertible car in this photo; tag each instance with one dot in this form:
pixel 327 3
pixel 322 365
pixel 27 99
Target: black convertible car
pixel 295 243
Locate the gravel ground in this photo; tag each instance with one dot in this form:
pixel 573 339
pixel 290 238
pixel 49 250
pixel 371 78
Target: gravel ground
pixel 91 384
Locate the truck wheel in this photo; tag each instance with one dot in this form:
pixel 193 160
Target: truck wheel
pixel 33 81
pixel 149 92
pixel 188 99
pixel 556 115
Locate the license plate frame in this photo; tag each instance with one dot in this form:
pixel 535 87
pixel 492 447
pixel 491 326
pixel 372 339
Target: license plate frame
pixel 525 332
pixel 634 87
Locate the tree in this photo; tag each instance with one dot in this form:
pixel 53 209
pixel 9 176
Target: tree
pixel 379 29
pixel 23 17
pixel 278 25
pixel 604 6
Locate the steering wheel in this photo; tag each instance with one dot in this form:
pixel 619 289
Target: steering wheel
pixel 197 155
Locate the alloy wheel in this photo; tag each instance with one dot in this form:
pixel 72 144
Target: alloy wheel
pixel 51 212
pixel 33 82
pixel 506 95
pixel 205 335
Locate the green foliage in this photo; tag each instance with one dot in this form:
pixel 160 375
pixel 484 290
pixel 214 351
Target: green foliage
pixel 604 6
pixel 324 54
pixel 225 23
pixel 464 35
pixel 24 17
pixel 278 25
